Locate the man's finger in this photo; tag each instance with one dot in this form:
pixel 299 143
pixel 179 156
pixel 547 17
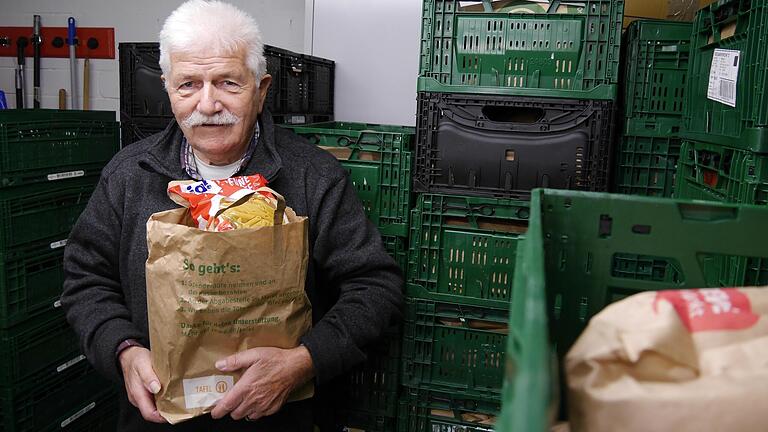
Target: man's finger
pixel 146 405
pixel 229 402
pixel 237 361
pixel 148 376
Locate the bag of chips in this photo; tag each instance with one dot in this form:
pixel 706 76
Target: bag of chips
pixel 227 204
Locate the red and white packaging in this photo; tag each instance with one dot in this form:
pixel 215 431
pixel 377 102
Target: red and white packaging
pixel 683 361
pixel 207 199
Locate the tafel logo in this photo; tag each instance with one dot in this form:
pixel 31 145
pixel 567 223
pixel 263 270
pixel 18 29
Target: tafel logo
pixel 710 309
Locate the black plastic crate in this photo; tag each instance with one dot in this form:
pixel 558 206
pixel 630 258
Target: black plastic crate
pixel 142 94
pixel 132 130
pixel 31 278
pixel 505 146
pixel 301 84
pixel 296 119
pixel 61 403
pixel 301 90
pixel 44 347
pixel 368 396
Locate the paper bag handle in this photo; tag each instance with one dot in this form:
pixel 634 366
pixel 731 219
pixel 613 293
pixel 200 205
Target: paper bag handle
pixel 279 208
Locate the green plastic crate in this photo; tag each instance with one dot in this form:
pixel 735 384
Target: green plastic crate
pixel 31 279
pixel 655 75
pixel 53 404
pixel 453 347
pixel 715 173
pixel 368 398
pixel 397 247
pixel 423 410
pixel 740 25
pixel 42 212
pixel 600 248
pixel 45 349
pixel 378 159
pixel 39 146
pixel 462 249
pixel 530 378
pixel 567 53
pixel 647 165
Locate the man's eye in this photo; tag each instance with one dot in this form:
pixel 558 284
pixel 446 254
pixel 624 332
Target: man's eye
pixel 186 85
pixel 230 83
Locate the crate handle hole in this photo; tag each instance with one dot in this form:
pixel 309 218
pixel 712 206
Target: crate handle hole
pixel 605 226
pixel 501 114
pixel 641 229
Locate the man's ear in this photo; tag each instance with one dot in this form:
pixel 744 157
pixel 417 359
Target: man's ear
pixel 165 84
pixel 266 81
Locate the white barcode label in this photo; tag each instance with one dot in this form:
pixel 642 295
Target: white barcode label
pixel 58 244
pixel 669 48
pixel 723 76
pixel 205 391
pixel 70 363
pixel 65 175
pixel 78 414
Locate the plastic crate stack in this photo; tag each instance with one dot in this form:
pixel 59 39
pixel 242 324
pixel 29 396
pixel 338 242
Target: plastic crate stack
pixel 50 162
pixel 724 156
pixel 587 250
pixel 655 80
pixel 509 100
pixel 301 89
pixel 379 161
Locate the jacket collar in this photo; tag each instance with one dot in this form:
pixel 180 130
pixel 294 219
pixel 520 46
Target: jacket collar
pixel 163 155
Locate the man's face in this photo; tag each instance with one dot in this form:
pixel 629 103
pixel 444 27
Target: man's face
pixel 216 100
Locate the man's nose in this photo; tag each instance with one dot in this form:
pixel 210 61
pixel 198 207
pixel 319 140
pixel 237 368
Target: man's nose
pixel 209 103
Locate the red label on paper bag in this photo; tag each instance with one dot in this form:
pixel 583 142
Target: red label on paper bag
pixel 710 309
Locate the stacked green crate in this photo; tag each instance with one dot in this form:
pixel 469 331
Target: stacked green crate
pixel 378 159
pixel 591 249
pixel 725 151
pixel 50 162
pixel 566 52
pixel 460 282
pixel 513 95
pixel 498 89
pixel 655 72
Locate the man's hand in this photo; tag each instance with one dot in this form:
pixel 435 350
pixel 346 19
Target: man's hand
pixel 271 375
pixel 141 383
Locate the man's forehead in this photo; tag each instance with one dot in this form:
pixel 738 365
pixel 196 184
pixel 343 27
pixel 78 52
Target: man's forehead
pixel 208 57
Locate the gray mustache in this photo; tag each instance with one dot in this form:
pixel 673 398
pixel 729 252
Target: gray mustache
pixel 222 118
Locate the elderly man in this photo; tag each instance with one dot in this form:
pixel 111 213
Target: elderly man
pixel 215 74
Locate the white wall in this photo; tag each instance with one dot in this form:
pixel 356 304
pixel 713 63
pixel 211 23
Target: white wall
pixel 376 46
pixel 282 23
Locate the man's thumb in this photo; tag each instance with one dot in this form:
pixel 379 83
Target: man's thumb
pixel 149 378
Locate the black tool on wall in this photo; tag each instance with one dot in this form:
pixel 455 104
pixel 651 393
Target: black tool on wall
pixel 21 45
pixel 37 41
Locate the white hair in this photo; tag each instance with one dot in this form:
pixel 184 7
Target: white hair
pixel 201 25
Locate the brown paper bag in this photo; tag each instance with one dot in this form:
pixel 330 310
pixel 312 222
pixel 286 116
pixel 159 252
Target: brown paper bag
pixel 683 361
pixel 212 294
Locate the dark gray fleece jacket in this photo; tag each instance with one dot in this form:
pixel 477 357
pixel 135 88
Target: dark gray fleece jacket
pixel 354 286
